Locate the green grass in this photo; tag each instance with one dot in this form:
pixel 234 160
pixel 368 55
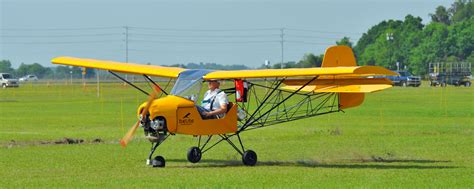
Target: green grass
pixel 401 137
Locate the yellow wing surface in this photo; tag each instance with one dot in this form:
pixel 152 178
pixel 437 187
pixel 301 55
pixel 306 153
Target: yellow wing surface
pixel 152 70
pixel 300 72
pixel 338 73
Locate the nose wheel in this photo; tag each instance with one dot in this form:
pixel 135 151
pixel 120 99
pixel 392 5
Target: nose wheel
pixel 158 161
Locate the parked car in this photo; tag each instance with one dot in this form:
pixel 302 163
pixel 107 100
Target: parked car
pixel 405 79
pixel 7 80
pixel 29 78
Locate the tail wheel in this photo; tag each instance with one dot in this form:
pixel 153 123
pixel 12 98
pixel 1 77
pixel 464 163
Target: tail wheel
pixel 249 158
pixel 194 154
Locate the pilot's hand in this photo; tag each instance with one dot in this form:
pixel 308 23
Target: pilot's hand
pixel 207 114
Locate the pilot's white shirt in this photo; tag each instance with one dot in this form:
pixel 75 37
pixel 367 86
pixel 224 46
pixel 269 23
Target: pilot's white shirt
pixel 220 99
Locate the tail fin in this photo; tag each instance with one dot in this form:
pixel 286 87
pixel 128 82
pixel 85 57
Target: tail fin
pixel 351 88
pixel 337 56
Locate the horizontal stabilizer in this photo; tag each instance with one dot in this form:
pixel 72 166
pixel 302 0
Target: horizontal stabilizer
pixel 353 85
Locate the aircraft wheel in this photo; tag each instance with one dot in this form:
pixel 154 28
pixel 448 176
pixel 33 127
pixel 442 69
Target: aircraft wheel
pixel 194 154
pixel 249 158
pixel 158 161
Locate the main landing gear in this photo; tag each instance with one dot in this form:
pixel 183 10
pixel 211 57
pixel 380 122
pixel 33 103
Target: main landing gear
pixel 249 158
pixel 194 155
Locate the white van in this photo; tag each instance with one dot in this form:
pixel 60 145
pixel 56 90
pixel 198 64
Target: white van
pixel 7 80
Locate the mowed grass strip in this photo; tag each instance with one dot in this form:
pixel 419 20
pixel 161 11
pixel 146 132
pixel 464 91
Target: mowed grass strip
pixel 401 137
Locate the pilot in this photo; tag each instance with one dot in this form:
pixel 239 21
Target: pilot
pixel 214 103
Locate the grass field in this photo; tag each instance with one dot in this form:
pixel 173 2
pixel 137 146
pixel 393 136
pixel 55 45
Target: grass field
pixel 401 137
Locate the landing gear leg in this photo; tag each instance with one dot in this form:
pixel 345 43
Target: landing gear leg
pixel 249 157
pixel 158 161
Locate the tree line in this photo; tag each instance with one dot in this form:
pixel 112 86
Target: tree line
pixel 448 37
pixel 58 72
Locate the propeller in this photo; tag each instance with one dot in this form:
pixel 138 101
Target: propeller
pixel 129 135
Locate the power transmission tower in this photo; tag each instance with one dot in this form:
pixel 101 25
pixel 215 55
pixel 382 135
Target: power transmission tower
pixel 282 42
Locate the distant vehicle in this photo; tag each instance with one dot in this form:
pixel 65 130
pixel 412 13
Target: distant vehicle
pixel 450 73
pixel 7 80
pixel 405 79
pixel 29 78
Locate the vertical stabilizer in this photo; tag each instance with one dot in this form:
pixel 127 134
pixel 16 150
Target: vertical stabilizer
pixel 336 56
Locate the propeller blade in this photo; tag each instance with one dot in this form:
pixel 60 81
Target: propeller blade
pixel 124 141
pixel 129 135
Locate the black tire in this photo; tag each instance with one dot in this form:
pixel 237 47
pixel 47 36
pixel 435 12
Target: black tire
pixel 249 158
pixel 467 84
pixel 4 86
pixel 194 154
pixel 404 84
pixel 158 161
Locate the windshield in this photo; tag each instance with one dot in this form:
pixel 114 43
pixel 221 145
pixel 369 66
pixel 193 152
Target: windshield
pixel 7 76
pixel 189 84
pixel 404 74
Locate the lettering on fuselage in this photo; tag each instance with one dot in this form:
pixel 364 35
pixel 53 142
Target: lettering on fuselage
pixel 186 120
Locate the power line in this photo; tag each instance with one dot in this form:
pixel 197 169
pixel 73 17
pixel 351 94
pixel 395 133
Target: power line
pixel 54 36
pixel 57 29
pixel 314 37
pixel 206 36
pixel 203 30
pixel 200 42
pixel 321 31
pixel 312 43
pixel 59 42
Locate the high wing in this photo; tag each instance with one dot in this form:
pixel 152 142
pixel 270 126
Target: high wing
pixel 338 62
pixel 353 71
pixel 338 73
pixel 151 70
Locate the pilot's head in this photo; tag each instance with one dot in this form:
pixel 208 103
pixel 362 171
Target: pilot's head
pixel 213 84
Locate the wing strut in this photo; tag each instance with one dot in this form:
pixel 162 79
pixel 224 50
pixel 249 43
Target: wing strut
pixel 156 85
pixel 128 82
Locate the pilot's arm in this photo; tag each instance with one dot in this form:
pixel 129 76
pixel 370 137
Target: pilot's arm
pixel 221 110
pixel 222 100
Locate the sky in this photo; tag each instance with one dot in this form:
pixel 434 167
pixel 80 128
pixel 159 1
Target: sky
pixel 165 32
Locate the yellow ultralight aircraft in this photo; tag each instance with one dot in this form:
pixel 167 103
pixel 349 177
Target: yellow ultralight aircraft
pixel 293 94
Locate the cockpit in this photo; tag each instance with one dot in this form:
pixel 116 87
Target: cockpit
pixel 189 84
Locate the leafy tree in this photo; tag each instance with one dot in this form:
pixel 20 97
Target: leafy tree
pixel 6 67
pixel 441 15
pixel 461 10
pixel 345 41
pixel 310 60
pixel 33 69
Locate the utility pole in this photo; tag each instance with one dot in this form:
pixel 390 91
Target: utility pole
pixel 126 46
pixel 282 41
pixel 390 39
pixel 98 82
